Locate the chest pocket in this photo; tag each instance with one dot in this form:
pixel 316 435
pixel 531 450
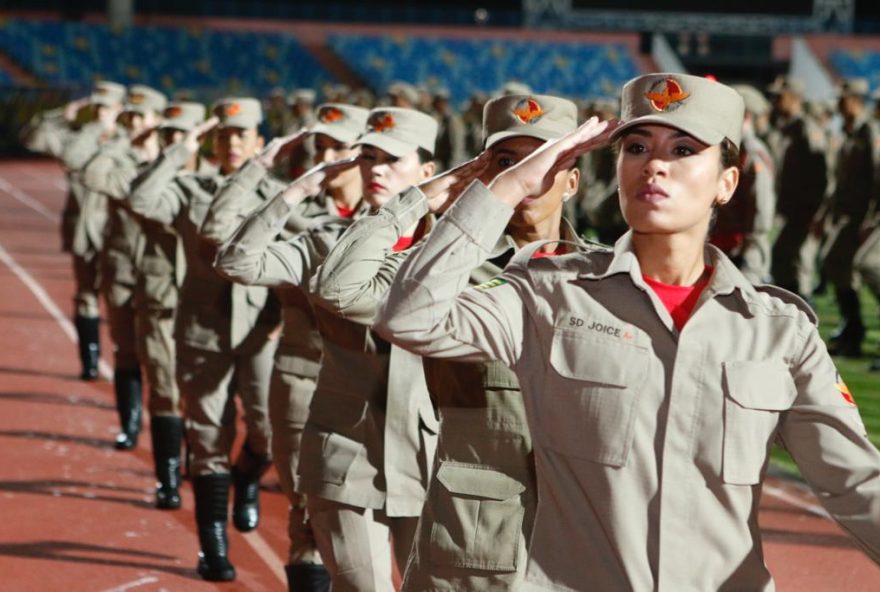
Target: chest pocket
pixel 756 393
pixel 587 410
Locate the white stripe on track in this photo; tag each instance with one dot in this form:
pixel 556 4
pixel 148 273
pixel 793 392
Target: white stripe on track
pixel 134 584
pixel 272 560
pixel 783 495
pixel 18 194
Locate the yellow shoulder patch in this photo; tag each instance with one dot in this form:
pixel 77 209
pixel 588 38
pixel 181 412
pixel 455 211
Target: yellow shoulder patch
pixel 493 283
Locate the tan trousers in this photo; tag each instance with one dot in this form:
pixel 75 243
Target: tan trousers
pixel 156 349
pixel 289 398
pixel 356 544
pixel 205 379
pixel 121 319
pixel 85 276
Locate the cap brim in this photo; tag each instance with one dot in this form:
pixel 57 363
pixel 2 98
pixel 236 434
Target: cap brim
pixel 104 101
pixel 544 134
pixel 171 125
pixel 239 123
pixel 701 132
pixel 337 132
pixel 390 145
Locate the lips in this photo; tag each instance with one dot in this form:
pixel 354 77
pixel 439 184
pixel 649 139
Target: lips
pixel 376 187
pixel 651 193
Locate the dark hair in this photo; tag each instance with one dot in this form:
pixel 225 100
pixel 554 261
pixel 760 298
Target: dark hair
pixel 424 156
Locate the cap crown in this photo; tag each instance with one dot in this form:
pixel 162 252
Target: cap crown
pixel 399 131
pixel 243 112
pixel 536 116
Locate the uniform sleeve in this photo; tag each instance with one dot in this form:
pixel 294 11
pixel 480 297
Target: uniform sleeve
pixel 359 269
pixel 47 133
pixel 154 194
pixel 826 437
pixel 81 146
pixel 108 174
pixel 235 201
pixel 429 309
pixel 757 250
pixel 252 256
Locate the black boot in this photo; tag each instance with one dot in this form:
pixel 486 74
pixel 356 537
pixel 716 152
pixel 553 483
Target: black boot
pixel 167 432
pixel 246 480
pixel 846 340
pixel 129 404
pixel 212 497
pixel 307 577
pixel 89 346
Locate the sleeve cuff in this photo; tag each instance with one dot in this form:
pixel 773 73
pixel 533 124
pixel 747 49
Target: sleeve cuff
pixel 178 154
pixel 480 215
pixel 407 207
pixel 275 213
pixel 250 174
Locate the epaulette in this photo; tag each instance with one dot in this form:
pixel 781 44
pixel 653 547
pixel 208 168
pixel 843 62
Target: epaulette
pixel 789 298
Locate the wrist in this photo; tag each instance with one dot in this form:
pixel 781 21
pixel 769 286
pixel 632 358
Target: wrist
pixel 507 190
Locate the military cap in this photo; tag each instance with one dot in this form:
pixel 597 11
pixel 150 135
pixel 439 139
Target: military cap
pixel 786 84
pixel 536 116
pixel 404 90
pixel 755 101
pixel 183 116
pixel 707 110
pixel 107 93
pixel 343 123
pixel 243 112
pixel 854 87
pixel 142 98
pixel 399 131
pixel 302 95
pixel 513 87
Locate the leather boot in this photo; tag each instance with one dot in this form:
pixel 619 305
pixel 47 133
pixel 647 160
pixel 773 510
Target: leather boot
pixel 246 481
pixel 846 340
pixel 167 432
pixel 307 577
pixel 129 404
pixel 212 497
pixel 89 346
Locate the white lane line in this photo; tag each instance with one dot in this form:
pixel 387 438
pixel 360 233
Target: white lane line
pixel 254 539
pixel 59 182
pixel 134 584
pixel 43 298
pixel 783 495
pixel 18 194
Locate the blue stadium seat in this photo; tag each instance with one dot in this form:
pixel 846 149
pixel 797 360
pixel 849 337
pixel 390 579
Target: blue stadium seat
pixel 854 63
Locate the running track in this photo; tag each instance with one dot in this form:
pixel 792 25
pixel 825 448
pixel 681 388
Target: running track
pixel 76 515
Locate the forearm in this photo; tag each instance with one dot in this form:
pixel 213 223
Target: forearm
pixel 154 195
pixel 110 176
pixel 228 209
pixel 359 269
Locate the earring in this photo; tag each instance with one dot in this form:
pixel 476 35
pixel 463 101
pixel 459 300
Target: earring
pixel 566 196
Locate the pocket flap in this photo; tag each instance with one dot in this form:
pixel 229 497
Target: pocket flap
pixel 577 356
pixel 478 482
pixel 760 385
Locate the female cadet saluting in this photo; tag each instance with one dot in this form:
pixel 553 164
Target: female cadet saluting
pixel 655 376
pixel 484 461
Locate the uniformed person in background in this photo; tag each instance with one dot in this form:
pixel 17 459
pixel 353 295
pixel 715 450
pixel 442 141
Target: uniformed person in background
pixel 48 131
pixel 403 95
pixel 798 147
pixel 484 456
pixel 451 149
pixel 108 176
pixel 857 183
pixel 298 357
pixel 296 160
pixel 278 113
pixel 655 376
pixel 596 206
pixel 226 334
pixel 160 274
pixel 742 228
pixel 473 122
pixel 867 259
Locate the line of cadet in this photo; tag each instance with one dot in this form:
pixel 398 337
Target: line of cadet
pixel 231 267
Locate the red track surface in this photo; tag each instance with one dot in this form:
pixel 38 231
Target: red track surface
pixel 75 515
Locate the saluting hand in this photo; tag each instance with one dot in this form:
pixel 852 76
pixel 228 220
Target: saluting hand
pixel 535 174
pixel 313 180
pixel 193 138
pixel 72 108
pixel 280 146
pixel 442 190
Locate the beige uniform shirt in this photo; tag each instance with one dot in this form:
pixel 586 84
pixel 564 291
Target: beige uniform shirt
pixel 214 314
pixel 650 444
pixel 47 133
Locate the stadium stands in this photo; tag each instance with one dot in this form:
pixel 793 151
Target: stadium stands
pixel 857 63
pixel 463 66
pixel 73 54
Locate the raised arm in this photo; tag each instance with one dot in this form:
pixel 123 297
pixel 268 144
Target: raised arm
pixel 81 146
pixel 110 173
pixel 154 194
pixel 826 437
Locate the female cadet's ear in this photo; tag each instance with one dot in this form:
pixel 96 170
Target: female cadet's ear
pixel 571 183
pixel 428 169
pixel 727 185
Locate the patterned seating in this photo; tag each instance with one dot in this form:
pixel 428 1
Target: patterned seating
pixel 851 63
pixel 576 69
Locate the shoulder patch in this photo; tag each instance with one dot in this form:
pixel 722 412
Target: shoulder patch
pixel 493 283
pixel 789 298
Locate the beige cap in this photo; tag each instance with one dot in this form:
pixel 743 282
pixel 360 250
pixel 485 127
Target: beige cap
pixel 302 95
pixel 786 84
pixel 343 123
pixel 183 116
pixel 703 108
pixel 536 116
pixel 243 112
pixel 107 93
pixel 404 90
pixel 513 87
pixel 399 131
pixel 854 87
pixel 755 101
pixel 142 98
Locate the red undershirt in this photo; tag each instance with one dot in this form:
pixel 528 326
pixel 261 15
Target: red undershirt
pixel 403 243
pixel 345 212
pixel 679 300
pixel 560 250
